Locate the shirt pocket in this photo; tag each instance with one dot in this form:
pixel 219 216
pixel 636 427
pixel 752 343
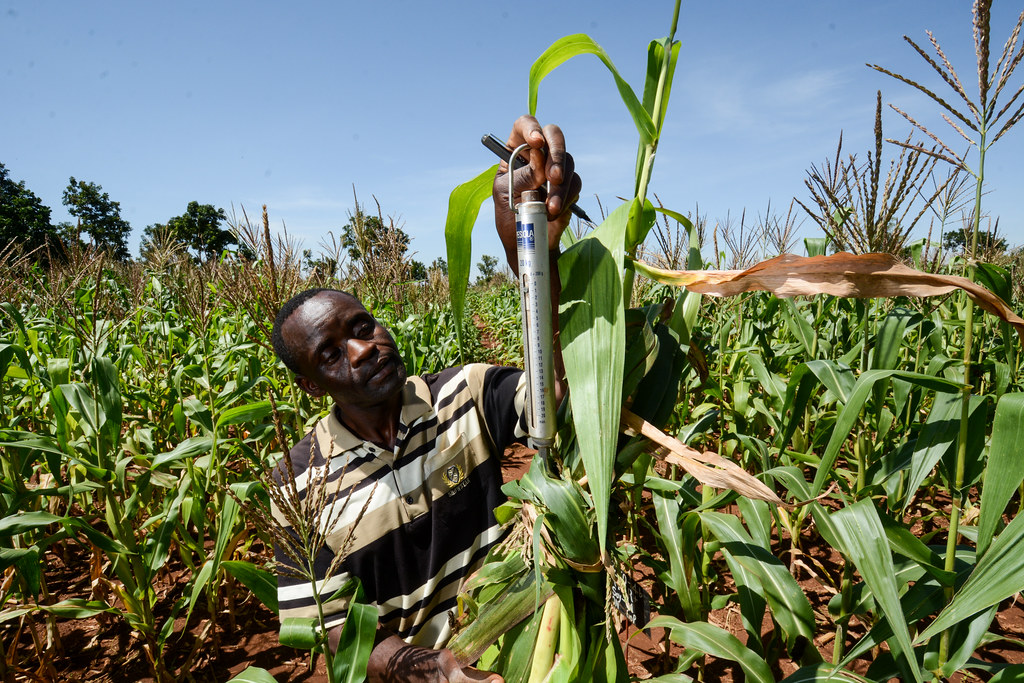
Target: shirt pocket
pixel 449 469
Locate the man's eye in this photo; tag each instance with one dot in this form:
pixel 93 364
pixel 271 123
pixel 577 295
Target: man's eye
pixel 330 355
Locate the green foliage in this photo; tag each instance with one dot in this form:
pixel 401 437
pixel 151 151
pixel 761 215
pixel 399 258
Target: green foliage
pixel 488 268
pixel 958 242
pixel 362 235
pixel 197 229
pixel 24 220
pixel 98 216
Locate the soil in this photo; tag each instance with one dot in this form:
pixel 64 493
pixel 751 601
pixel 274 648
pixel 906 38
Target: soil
pixel 104 649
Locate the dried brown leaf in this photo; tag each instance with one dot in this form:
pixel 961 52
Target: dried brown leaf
pixel 842 274
pixel 708 468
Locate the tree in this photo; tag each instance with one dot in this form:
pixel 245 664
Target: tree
pixel 24 219
pixel 440 265
pixel 488 268
pixel 323 265
pixel 417 271
pixel 99 216
pixel 989 242
pixel 197 229
pixel 364 236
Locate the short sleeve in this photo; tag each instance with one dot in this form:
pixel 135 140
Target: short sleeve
pixel 504 405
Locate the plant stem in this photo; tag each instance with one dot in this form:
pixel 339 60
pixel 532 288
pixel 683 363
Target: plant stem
pixel 956 494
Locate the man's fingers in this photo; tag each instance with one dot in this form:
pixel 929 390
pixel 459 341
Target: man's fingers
pixel 526 130
pixel 555 168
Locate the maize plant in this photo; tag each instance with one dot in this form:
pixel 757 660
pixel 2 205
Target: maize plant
pixel 846 395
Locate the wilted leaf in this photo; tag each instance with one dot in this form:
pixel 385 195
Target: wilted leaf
pixel 842 274
pixel 721 474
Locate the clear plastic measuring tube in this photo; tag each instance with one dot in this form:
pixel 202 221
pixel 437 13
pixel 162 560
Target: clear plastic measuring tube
pixel 535 298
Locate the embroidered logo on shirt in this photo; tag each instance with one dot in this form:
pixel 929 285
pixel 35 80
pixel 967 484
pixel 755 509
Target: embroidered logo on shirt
pixel 453 475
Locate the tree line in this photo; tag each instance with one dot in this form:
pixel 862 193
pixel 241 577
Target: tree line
pixel 25 223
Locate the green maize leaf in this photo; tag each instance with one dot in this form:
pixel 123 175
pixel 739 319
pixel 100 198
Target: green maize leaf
pixel 1011 674
pixel 816 246
pixel 189 448
pixel 757 516
pixel 199 413
pixel 642 349
pixel 718 643
pixel 499 615
pixel 250 412
pixel 938 436
pixel 253 674
pixel 158 549
pixel 463 208
pixel 798 393
pixel 567 514
pixel 356 641
pixel 301 633
pixel 799 326
pixel 861 538
pixel 108 396
pixel 29 567
pixel 497 572
pixel 516 656
pixel 889 339
pixel 261 582
pixel 790 607
pixel 568 47
pixel 822 673
pixel 903 541
pixel 655 66
pixel 921 600
pixel 851 411
pixel 639 224
pixel 967 637
pixel 178 416
pixel 26 521
pixel 684 221
pixel 673 535
pixel 9 352
pixel 87 410
pixel 997 576
pixel 657 393
pixel 593 340
pixel 836 377
pixel 95 536
pixel 770 382
pixel 606 663
pixel 225 530
pixel 78 609
pixel 1005 469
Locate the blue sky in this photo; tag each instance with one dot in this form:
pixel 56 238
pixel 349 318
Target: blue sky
pixel 291 104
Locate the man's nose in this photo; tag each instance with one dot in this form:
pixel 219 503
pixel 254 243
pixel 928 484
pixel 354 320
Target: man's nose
pixel 360 351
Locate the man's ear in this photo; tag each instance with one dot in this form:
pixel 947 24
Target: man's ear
pixel 310 387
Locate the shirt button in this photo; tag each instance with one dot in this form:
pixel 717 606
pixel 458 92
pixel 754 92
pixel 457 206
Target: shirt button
pixel 409 500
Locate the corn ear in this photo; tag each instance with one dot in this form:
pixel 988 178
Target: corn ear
pixel 547 640
pixel 498 615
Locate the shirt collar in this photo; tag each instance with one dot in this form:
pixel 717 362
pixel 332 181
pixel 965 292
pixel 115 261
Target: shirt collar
pixel 415 405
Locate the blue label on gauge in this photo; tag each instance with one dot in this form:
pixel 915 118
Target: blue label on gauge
pixel 525 236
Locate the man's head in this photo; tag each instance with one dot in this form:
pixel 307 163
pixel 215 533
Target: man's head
pixel 335 347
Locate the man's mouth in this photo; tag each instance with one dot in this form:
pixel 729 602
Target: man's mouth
pixel 384 367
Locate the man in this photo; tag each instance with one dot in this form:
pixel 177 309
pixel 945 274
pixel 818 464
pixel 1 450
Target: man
pixel 418 457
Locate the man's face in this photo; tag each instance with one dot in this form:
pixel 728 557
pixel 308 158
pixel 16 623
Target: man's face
pixel 343 351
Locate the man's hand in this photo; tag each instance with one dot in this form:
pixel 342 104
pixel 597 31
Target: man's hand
pixel 395 661
pixel 549 163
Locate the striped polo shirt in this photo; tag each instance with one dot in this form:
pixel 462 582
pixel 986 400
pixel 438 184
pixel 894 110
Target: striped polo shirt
pixel 427 507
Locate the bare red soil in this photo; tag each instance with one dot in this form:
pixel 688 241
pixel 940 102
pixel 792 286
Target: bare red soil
pixel 245 633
